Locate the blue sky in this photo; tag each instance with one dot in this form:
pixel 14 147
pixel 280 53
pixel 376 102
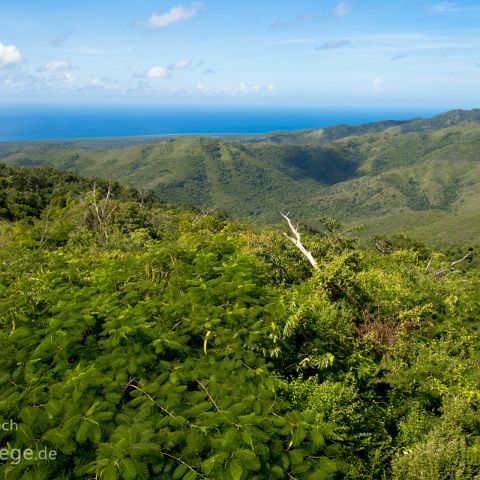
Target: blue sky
pixel 353 53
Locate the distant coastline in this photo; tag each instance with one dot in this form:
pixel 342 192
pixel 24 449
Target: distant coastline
pixel 61 123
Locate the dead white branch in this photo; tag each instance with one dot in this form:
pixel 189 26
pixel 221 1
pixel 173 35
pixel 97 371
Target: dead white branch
pixel 45 230
pixel 468 255
pixel 442 271
pixel 296 240
pixel 380 248
pixel 103 215
pixel 204 212
pixel 429 263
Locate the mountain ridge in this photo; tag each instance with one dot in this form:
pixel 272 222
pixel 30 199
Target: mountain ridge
pixel 336 132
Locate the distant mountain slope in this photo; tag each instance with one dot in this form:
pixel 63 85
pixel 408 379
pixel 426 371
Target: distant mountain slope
pixel 244 180
pixel 444 120
pixel 419 176
pixel 314 136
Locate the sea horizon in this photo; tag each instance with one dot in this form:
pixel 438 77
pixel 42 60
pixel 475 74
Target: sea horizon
pixel 35 123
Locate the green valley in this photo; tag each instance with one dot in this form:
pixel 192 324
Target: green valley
pixel 420 177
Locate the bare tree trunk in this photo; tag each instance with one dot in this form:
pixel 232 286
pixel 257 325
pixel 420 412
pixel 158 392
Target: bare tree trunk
pixel 100 208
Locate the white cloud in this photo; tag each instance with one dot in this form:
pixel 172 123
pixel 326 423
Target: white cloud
pixel 53 81
pixel 179 64
pixel 58 79
pixel 240 90
pixel 342 9
pixel 69 78
pixel 20 82
pixel 158 72
pixel 376 84
pixel 175 14
pixel 9 54
pixel 164 72
pixel 104 83
pixel 57 65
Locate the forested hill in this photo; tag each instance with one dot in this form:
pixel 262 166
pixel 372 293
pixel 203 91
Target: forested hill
pixel 313 136
pixel 420 177
pixel 142 340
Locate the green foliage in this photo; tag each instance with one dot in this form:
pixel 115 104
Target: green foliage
pixel 447 450
pixel 141 340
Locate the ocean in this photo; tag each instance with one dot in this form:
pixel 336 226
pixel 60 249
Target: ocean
pixel 49 123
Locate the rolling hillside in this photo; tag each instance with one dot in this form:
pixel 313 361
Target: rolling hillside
pixel 315 136
pixel 420 177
